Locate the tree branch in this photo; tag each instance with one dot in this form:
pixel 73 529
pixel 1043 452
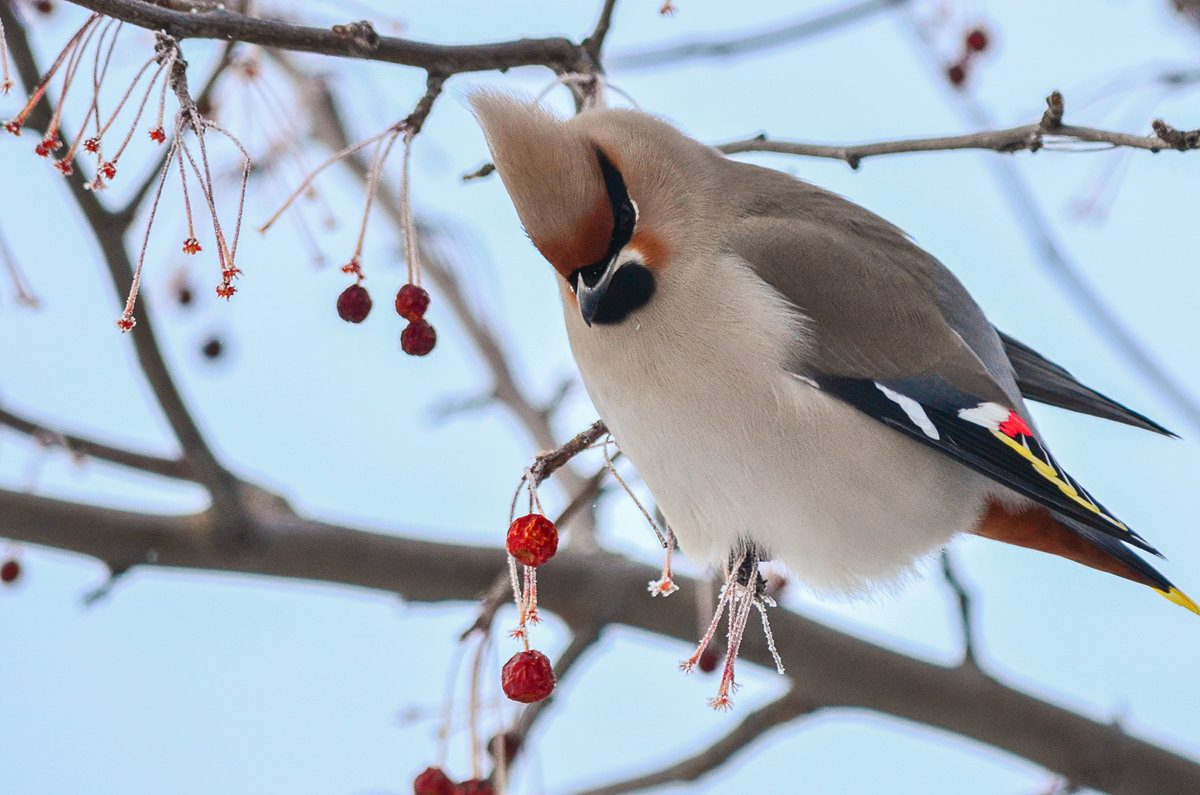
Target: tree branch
pixel 346 41
pixel 1031 137
pixel 777 713
pixel 826 666
pixel 166 467
pixel 109 234
pixel 776 36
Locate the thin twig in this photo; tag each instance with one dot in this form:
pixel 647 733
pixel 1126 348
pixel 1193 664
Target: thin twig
pixel 783 710
pixel 1027 137
pixel 155 465
pixel 777 35
pixel 965 616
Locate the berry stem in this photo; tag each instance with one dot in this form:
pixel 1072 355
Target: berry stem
pixel 650 520
pixel 411 250
pixel 473 704
pixel 382 149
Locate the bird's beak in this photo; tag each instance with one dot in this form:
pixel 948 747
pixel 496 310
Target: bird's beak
pixel 590 284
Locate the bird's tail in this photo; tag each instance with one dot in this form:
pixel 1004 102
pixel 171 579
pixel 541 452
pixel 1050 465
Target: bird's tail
pixel 1040 529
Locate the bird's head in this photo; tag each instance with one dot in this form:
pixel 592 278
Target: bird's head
pixel 602 196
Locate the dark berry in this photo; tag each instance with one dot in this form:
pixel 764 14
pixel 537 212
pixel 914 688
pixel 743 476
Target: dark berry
pixel 432 781
pixel 418 338
pixel 977 40
pixel 213 348
pixel 508 744
pixel 475 786
pixel 956 74
pixel 411 302
pixel 184 296
pixel 44 7
pixel 10 571
pixel 708 661
pixel 532 539
pixel 527 677
pixel 354 304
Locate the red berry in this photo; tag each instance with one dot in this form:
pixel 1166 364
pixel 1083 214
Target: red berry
pixel 475 786
pixel 432 781
pixel 411 302
pixel 109 170
pixel 158 135
pixel 44 6
pixel 527 677
pixel 956 74
pixel 354 303
pixel 532 539
pixel 418 338
pixel 10 571
pixel 708 661
pixel 977 40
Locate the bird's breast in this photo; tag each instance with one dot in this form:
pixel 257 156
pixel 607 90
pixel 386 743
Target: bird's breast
pixel 696 390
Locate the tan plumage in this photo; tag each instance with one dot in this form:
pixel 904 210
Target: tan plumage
pixel 788 371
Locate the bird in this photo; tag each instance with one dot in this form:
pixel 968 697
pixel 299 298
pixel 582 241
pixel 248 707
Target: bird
pixel 790 374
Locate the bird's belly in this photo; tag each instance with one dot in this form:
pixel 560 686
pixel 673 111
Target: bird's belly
pixel 844 502
pixel 735 449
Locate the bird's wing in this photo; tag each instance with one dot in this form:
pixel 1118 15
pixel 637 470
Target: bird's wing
pixel 890 331
pixel 1042 380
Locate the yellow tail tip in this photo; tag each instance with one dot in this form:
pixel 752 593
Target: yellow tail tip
pixel 1180 598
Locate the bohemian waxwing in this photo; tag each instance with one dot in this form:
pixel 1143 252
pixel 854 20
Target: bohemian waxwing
pixel 790 374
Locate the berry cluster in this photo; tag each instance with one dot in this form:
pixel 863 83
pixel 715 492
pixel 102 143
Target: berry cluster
pixel 418 338
pixel 975 41
pixel 531 541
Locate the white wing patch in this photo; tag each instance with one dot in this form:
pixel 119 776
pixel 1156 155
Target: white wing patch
pixel 989 415
pixel 914 411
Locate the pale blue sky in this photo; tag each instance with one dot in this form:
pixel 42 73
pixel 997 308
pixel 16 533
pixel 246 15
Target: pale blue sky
pixel 196 683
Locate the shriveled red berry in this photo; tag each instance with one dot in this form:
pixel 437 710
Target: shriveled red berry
pixel 956 74
pixel 708 661
pixel 432 781
pixel 354 304
pixel 411 302
pixel 109 170
pixel 10 571
pixel 418 338
pixel 977 40
pixel 527 677
pixel 158 135
pixel 532 539
pixel 475 786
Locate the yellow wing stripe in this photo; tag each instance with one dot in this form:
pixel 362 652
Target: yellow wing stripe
pixel 1046 470
pixel 1180 598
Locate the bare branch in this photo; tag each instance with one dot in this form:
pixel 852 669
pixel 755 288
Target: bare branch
pixel 783 710
pixel 1028 137
pixel 594 43
pixel 775 36
pixel 826 666
pixel 166 467
pixel 965 616
pixel 547 464
pixel 559 54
